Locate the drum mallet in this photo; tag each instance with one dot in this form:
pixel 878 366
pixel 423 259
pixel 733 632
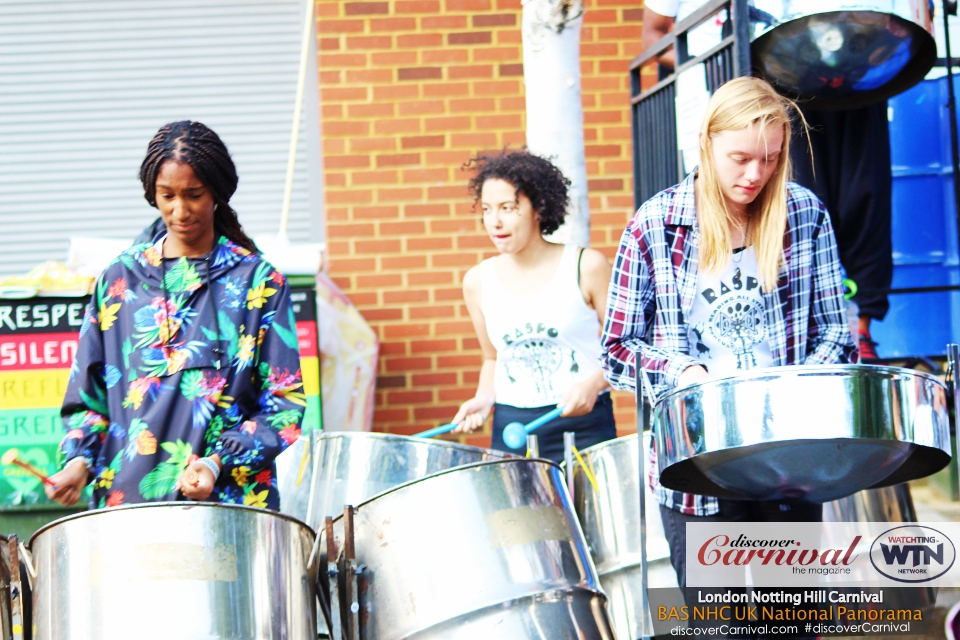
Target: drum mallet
pixel 515 434
pixel 437 431
pixel 12 457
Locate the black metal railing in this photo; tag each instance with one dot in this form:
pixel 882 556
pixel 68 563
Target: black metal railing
pixel 656 157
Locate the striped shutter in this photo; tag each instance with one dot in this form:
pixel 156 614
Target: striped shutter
pixel 85 84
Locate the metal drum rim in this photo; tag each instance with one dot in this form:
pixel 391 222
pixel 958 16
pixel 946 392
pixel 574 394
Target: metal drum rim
pixel 154 505
pixel 796 371
pixel 804 16
pixel 431 476
pixel 329 435
pixel 606 444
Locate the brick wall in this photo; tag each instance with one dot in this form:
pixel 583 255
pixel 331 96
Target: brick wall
pixel 410 90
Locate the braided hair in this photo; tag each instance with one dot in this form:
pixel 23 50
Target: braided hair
pixel 197 145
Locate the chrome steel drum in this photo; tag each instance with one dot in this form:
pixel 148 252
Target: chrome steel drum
pixel 817 433
pixel 842 54
pixel 191 571
pixel 489 550
pixel 353 466
pixel 611 526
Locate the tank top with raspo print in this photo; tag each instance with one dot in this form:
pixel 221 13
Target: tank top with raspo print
pixel 546 341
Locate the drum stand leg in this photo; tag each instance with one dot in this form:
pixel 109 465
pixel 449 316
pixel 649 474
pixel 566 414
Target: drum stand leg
pixel 352 571
pixel 646 623
pixel 569 442
pixel 953 361
pixel 17 620
pixel 333 576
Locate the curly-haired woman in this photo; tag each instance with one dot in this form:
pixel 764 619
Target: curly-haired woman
pixel 537 309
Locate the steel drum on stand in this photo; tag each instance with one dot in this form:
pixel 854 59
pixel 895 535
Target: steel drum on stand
pixel 488 550
pixel 350 467
pixel 842 55
pixel 191 571
pixel 611 526
pixel 817 433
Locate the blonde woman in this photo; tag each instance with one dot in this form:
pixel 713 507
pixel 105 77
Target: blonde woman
pixel 734 268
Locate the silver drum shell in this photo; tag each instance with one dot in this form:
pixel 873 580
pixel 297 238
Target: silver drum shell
pixel 817 433
pixel 489 550
pixel 354 466
pixel 192 571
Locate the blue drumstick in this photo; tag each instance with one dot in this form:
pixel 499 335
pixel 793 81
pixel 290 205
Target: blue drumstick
pixel 437 431
pixel 515 434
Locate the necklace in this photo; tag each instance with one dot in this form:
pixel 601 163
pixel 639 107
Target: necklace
pixel 738 254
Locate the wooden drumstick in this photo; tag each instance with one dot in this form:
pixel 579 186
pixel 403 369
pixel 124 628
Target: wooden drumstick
pixel 11 457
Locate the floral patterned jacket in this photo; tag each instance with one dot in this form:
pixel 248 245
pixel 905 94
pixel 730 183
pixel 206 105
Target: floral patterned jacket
pixel 182 358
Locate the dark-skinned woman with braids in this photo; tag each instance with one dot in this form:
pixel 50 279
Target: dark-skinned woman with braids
pixel 186 383
pixel 537 309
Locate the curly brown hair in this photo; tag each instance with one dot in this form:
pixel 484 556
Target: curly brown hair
pixel 535 177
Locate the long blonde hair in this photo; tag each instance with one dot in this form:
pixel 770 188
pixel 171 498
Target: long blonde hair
pixel 736 105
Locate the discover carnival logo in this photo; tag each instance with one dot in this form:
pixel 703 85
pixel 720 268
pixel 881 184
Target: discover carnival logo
pixel 912 553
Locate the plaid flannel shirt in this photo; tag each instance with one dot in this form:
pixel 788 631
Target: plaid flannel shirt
pixel 652 291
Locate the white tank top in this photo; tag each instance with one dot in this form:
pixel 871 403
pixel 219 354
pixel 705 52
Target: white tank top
pixel 546 341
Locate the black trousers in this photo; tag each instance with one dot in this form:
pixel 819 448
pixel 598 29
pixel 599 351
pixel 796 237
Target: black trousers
pixel 851 175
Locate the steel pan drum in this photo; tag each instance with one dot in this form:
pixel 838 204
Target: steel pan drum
pixel 353 466
pixel 488 550
pixel 844 55
pixel 611 526
pixel 816 433
pixel 192 571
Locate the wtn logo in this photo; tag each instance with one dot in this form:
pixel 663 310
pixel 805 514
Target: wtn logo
pixel 908 553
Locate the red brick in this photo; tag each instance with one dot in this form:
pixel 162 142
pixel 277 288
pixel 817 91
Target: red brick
pixel 393 24
pixel 329 77
pixel 368 76
pixel 421 107
pixel 513 104
pixel 366 8
pixel 369 42
pixel 428 244
pixel 495 20
pixel 496 88
pixel 509 36
pixel 416 6
pixel 402 228
pixel 448 295
pixel 430 277
pixel 454 226
pixel 470 343
pixel 435 413
pixel 432 346
pixel 433 379
pixel 447 362
pixel 623 32
pixel 453 260
pixel 421 210
pixel 345 128
pixel 470 37
pixel 380 280
pixel 612 134
pixel 596 117
pixel 467 5
pixel 398 125
pixel 376 247
pixel 372 144
pixel 473 242
pixel 349 196
pixel 383 314
pixel 399 159
pixel 403 194
pixel 349 230
pixel 373 177
pixel 446 55
pixel 393 58
pixel 334 180
pixel 446 89
pixel 343 59
pixel 455 328
pixel 388 348
pixel 508 121
pixel 632 14
pixel 407 330
pixel 376 212
pixel 351 265
pixel 614 66
pixel 404 262
pixel 347 93
pixel 593 151
pixel 496 54
pixel 420 73
pixel 340 26
pixel 444 22
pixel 448 123
pixel 328 9
pixel 420 40
pixel 409 364
pixel 343 162
pixel 507 70
pixel 454 158
pixel 416 142
pixel 328 44
pixel 391 92
pixel 609 184
pixel 399 297
pixel 472 71
pixel 472 105
pixel 370 110
pixel 409 397
pixel 604 83
pixel 599 49
pixel 390 415
pixel 391 382
pixel 426 175
pixel 331 111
